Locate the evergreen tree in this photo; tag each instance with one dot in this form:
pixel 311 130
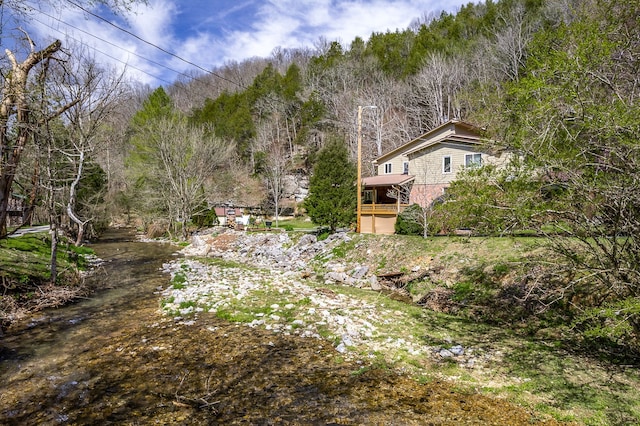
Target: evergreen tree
pixel 156 106
pixel 230 116
pixel 332 192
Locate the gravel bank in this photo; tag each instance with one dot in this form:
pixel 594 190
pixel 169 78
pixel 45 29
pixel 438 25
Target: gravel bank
pixel 264 281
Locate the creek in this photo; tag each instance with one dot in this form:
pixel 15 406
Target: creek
pixel 46 362
pixel 114 358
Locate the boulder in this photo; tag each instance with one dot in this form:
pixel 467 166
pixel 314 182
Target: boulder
pixel 445 353
pixel 457 350
pixel 359 272
pixel 339 277
pixel 375 285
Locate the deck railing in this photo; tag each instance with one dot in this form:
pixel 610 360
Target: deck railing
pixel 383 208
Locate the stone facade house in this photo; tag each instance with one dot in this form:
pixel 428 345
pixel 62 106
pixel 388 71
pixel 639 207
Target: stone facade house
pixel 419 172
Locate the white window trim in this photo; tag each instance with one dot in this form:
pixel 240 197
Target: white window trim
pixel 473 154
pixel 389 167
pixel 405 167
pixel 450 165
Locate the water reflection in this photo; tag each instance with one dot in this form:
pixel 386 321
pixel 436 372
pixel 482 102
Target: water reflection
pixel 46 361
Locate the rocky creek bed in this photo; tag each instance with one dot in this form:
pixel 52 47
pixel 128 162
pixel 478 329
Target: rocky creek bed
pixel 332 348
pixel 265 281
pixel 241 335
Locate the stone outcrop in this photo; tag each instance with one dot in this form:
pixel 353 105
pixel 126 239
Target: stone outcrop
pixel 276 250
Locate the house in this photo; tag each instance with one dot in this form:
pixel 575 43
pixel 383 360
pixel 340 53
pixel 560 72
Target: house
pixel 420 171
pixel 238 217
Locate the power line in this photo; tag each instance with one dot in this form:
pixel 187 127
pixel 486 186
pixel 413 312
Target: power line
pixel 239 85
pixel 153 45
pixel 110 43
pixel 104 53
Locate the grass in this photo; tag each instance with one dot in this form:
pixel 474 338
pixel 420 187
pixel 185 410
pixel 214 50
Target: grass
pixel 537 373
pixel 341 250
pixel 223 263
pixel 543 372
pixel 295 224
pixel 26 258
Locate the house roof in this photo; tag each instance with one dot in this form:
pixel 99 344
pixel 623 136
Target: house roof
pixel 455 139
pixel 387 180
pixel 419 142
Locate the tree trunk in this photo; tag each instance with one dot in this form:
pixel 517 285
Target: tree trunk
pixel 72 200
pixel 277 205
pixel 53 230
pixel 15 114
pixel 27 214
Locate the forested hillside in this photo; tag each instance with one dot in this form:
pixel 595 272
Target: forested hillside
pixel 279 111
pixel 268 117
pixel 555 82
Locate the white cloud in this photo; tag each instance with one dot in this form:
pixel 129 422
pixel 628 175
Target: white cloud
pixel 300 23
pixel 212 33
pixel 154 22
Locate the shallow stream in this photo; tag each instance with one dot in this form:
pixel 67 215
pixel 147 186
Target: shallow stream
pixel 115 359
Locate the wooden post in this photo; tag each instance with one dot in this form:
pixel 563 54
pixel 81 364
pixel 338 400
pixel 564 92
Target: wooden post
pixel 359 183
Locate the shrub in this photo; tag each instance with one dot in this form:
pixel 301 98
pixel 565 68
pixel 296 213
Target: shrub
pixel 406 224
pixel 205 219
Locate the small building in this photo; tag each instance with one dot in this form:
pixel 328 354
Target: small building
pixel 221 214
pixel 237 217
pixel 419 172
pixel 16 210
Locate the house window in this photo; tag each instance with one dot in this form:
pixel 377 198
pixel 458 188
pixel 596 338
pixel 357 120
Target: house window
pixel 446 164
pixel 472 160
pixel 387 168
pixel 405 168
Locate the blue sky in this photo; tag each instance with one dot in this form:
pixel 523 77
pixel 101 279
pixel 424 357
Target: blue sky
pixel 210 33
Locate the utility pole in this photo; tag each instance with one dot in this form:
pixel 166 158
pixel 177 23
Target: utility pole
pixel 359 183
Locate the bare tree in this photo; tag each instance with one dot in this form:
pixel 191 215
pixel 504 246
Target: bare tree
pixel 276 166
pixel 509 46
pixel 436 88
pixel 273 148
pixel 181 159
pixel 17 118
pixel 97 94
pixel 428 186
pixel 391 124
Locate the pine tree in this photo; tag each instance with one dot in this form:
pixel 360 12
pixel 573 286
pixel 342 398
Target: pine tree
pixel 332 193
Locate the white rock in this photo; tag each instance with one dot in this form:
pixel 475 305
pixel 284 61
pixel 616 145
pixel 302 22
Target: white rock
pixel 445 353
pixel 457 350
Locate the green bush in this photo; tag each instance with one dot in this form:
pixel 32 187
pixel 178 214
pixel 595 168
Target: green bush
pixel 615 324
pixel 406 224
pixel 205 219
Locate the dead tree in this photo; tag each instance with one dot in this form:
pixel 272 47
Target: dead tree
pixel 16 123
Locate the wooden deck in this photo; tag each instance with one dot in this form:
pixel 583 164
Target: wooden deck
pixel 390 209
